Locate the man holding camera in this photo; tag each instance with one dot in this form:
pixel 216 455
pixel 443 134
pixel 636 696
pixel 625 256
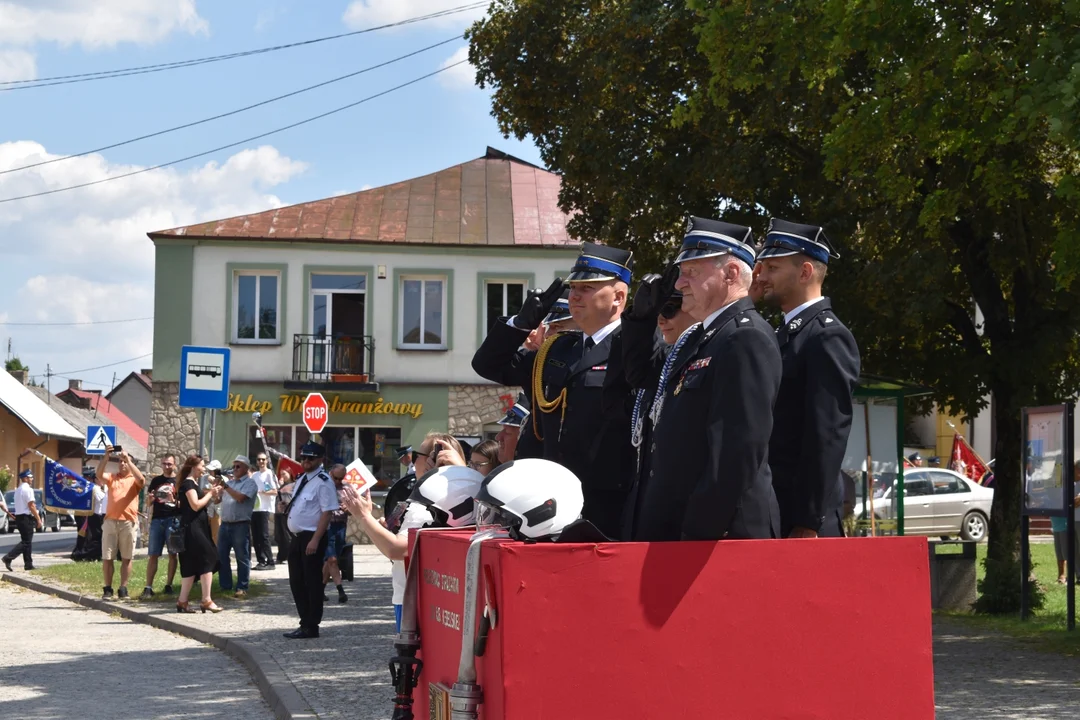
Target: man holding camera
pixel 237 503
pixel 121 518
pixel 164 521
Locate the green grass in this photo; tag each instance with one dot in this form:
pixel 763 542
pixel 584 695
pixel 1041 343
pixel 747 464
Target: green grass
pixel 1046 627
pixel 86 578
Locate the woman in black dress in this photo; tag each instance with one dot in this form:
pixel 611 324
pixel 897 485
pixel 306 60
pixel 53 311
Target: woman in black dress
pixel 200 556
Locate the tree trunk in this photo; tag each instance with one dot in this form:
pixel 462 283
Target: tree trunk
pixel 1001 588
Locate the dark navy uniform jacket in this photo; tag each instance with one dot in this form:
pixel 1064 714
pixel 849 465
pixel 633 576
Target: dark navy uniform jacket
pixel 707 474
pixel 593 441
pixel 812 419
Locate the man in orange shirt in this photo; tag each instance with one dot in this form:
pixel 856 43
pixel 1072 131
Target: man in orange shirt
pixel 121 518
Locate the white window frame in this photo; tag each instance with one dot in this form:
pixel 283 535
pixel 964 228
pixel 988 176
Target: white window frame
pixel 236 339
pixel 523 282
pixel 400 330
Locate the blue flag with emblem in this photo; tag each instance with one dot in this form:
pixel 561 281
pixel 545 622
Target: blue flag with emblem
pixel 67 491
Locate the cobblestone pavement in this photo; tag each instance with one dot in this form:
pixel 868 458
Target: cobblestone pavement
pixel 343 673
pixel 978 676
pixel 61 660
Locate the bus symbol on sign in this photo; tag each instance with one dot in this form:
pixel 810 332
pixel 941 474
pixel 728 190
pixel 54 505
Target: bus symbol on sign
pixel 316 413
pixel 200 370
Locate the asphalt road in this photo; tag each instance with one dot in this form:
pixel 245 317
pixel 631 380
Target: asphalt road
pixel 43 541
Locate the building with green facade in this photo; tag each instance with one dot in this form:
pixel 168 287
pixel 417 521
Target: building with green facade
pixel 377 299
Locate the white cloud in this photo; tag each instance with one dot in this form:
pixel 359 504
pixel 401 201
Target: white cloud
pixel 101 23
pixel 84 256
pixel 461 76
pixel 369 13
pixel 17 65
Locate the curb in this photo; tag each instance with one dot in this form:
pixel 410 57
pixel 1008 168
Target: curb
pixel 284 699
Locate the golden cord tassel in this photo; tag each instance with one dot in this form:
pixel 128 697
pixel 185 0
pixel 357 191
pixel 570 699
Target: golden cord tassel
pixel 539 401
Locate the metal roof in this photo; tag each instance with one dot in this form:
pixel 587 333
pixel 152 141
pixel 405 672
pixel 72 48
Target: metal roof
pixel 109 414
pixel 81 418
pixel 496 199
pixel 33 411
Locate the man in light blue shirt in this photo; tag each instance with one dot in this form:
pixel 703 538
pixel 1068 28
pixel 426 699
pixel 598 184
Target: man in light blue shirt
pixel 237 504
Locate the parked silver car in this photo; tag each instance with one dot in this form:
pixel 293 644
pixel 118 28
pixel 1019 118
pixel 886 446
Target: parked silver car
pixel 936 502
pixel 52 520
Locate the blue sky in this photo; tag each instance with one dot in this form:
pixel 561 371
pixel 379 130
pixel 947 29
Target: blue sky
pixel 83 255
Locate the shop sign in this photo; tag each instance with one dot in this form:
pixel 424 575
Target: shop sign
pixel 292 403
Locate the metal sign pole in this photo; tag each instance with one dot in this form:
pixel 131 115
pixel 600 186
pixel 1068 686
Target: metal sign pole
pixel 1070 532
pixel 1025 556
pixel 202 432
pixel 213 430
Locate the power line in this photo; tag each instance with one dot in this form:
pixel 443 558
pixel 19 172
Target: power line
pixel 87 322
pixel 238 142
pixel 232 112
pixel 65 373
pixel 10 85
pixel 84 382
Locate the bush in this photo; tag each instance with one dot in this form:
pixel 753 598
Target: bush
pixel 5 478
pixel 1000 588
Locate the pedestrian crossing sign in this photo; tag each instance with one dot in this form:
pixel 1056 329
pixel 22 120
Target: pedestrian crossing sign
pixel 99 437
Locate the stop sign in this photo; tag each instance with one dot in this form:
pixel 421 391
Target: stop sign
pixel 316 412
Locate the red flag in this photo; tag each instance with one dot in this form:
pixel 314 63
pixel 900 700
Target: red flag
pixel 967 462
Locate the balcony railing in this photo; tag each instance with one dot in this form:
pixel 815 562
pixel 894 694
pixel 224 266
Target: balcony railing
pixel 319 360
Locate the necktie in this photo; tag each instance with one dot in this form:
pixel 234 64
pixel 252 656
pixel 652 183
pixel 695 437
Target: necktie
pixel 689 335
pixel 296 494
pixel 588 345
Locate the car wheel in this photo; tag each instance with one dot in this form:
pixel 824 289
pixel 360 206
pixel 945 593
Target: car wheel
pixel 973 527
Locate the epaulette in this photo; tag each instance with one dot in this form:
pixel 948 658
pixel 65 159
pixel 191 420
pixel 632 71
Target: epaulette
pixel 323 475
pixel 827 318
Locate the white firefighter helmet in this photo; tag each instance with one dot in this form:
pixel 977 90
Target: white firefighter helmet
pixel 448 493
pixel 535 498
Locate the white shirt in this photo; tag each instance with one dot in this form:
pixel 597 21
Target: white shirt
pixel 101 500
pixel 789 316
pixel 709 320
pixel 23 497
pixel 316 497
pixel 599 335
pixel 266 483
pixel 416 516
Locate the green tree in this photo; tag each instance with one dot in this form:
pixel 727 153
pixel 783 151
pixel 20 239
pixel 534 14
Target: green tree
pixel 936 142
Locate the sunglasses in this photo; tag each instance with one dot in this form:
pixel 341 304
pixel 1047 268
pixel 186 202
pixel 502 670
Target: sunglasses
pixel 417 453
pixel 478 465
pixel 671 309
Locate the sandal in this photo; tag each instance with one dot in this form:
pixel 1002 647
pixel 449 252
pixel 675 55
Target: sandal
pixel 182 607
pixel 209 605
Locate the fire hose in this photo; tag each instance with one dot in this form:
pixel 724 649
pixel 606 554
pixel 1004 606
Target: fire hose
pixel 405 667
pixel 466 696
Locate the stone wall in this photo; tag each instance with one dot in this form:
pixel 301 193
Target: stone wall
pixel 173 429
pixel 473 406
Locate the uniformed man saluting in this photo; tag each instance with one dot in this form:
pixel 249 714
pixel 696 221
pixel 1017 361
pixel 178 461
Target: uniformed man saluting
pixel 708 473
pixel 308 517
pixel 812 417
pixel 579 398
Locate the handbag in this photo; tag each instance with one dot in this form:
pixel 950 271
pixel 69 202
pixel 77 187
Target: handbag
pixel 176 543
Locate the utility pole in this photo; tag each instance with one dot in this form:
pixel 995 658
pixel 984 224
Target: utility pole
pixel 48 381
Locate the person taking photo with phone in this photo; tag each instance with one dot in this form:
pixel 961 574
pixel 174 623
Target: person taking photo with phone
pixel 121 518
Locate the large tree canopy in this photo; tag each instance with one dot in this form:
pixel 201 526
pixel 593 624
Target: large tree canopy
pixel 937 143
